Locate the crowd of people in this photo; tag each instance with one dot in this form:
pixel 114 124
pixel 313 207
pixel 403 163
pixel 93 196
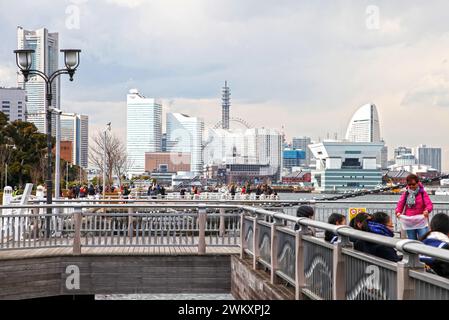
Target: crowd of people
pixel 247 188
pixel 413 211
pixel 94 192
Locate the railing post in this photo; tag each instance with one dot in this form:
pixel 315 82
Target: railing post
pixel 130 224
pixel 405 284
pixel 222 226
pixel 274 249
pixel 300 276
pixel 255 244
pixel 202 229
pixel 242 235
pixel 338 268
pixel 77 215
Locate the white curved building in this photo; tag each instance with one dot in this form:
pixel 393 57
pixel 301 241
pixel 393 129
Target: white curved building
pixel 364 125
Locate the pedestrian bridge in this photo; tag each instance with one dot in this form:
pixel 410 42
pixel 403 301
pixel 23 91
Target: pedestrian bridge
pixel 246 247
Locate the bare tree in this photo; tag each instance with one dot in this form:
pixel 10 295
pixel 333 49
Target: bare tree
pixel 122 163
pixel 117 161
pixel 96 151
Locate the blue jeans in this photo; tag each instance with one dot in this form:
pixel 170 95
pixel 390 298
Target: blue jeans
pixel 417 234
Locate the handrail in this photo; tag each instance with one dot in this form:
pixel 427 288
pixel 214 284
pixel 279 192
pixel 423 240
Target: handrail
pixel 411 247
pixel 307 201
pixel 415 248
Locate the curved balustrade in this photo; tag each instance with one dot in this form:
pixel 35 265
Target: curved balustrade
pixel 313 267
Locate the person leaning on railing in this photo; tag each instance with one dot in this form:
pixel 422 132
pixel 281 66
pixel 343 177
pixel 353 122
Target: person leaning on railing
pixel 413 209
pixel 305 212
pixel 437 237
pixel 378 223
pixel 335 219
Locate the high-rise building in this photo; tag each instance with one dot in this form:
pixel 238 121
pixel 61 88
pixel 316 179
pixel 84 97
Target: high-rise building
pixel 303 144
pixel 185 135
pixel 383 157
pixel 429 156
pixel 75 128
pixel 226 104
pixel 364 125
pixel 13 103
pixel 401 150
pixel 144 129
pixel 256 146
pixel 45 59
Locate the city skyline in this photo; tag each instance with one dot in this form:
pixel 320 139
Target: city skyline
pixel 322 74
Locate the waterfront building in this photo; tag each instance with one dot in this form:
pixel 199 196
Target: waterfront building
pixel 297 177
pixel 423 171
pixel 429 156
pixel 45 59
pixel 185 134
pixel 293 158
pixel 143 129
pixel 346 165
pixel 303 143
pixel 75 129
pixel 13 103
pixel 167 161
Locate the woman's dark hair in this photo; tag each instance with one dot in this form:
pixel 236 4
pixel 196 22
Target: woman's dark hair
pixel 305 212
pixel 379 217
pixel 440 223
pixel 412 177
pixel 360 218
pixel 334 218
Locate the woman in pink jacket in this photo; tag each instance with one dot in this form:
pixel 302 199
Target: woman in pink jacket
pixel 415 205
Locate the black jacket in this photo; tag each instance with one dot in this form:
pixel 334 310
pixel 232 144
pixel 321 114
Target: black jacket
pixel 377 250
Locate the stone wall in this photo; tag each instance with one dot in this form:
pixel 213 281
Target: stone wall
pixel 249 284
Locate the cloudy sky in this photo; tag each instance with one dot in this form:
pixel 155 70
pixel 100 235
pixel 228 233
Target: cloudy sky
pixel 302 65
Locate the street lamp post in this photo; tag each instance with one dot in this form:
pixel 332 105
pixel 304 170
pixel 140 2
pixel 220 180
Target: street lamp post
pixel 24 62
pixel 104 159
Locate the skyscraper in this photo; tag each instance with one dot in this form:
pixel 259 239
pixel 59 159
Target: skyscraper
pixel 364 125
pixel 429 156
pixel 185 134
pixel 303 144
pixel 144 129
pixel 401 150
pixel 75 128
pixel 13 103
pixel 226 104
pixel 45 59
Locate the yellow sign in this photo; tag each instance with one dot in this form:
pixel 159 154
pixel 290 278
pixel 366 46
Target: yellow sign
pixel 355 211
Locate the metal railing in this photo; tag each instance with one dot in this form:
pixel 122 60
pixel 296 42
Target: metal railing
pixel 119 225
pixel 309 265
pixel 319 270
